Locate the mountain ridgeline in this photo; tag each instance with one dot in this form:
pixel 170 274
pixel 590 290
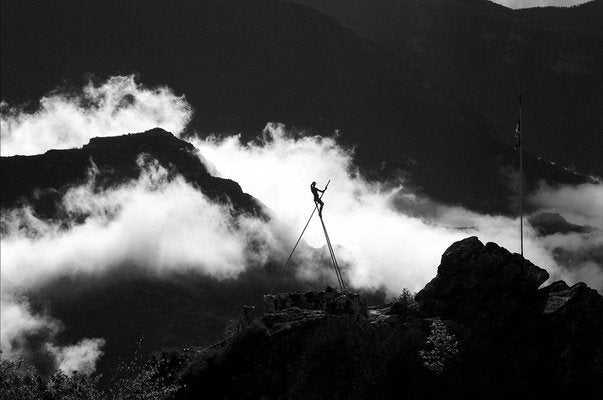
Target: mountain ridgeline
pixel 421 108
pixel 42 180
pixel 481 55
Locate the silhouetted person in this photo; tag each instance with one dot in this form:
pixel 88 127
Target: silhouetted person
pixel 317 199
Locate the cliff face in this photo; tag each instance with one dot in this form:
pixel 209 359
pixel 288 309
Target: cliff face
pixel 481 327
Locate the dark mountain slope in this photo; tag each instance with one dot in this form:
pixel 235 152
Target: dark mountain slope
pixel 493 334
pixel 585 16
pixel 483 55
pixel 41 180
pixel 242 63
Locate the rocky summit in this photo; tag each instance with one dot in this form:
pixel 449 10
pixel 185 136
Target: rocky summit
pixel 482 327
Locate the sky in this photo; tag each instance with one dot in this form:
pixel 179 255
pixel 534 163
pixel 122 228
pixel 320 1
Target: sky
pixel 538 3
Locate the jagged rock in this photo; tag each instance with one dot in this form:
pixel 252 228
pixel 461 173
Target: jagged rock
pixel 513 339
pixel 290 316
pixel 574 328
pixel 330 300
pixel 576 311
pixel 480 283
pixel 565 300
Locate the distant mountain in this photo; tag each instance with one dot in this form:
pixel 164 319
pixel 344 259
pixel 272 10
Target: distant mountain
pixel 242 63
pixel 480 329
pixel 586 16
pixel 482 55
pixel 42 180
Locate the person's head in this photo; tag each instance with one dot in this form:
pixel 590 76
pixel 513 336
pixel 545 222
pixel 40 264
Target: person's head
pixel 313 184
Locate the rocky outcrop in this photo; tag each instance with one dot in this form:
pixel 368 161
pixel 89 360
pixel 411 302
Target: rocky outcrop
pixel 483 321
pixel 331 301
pixel 480 284
pixel 573 333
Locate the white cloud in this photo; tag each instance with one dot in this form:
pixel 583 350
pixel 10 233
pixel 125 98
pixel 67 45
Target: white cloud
pixel 581 204
pixel 161 224
pixel 66 120
pixel 17 320
pixel 386 247
pixel 25 333
pixel 80 357
pixel 156 224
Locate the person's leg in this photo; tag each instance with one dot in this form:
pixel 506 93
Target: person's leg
pixel 321 207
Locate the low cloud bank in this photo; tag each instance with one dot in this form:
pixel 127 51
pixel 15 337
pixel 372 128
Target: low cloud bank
pixel 32 336
pixel 386 237
pixel 581 204
pixel 388 245
pixel 156 222
pixel 579 253
pixel 70 119
pixel 80 357
pixel 157 225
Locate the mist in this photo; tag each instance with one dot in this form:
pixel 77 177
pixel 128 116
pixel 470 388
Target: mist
pixel 154 226
pixel 32 337
pixel 70 118
pixel 386 245
pixel 386 237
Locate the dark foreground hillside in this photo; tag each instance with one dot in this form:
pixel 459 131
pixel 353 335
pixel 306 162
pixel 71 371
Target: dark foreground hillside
pixel 481 327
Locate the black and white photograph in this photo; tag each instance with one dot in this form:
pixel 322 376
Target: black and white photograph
pixel 301 199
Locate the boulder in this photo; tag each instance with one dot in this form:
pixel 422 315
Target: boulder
pixel 573 326
pixel 479 283
pixel 330 300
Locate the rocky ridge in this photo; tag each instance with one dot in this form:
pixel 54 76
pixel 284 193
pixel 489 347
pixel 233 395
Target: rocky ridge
pixel 41 180
pixel 481 327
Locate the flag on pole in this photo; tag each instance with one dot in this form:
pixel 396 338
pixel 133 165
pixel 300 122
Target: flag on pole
pixel 518 147
pixel 518 134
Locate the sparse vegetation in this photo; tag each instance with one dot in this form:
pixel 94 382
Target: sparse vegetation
pixel 136 380
pixel 442 348
pixel 405 304
pixel 233 328
pixel 140 380
pixel 20 382
pixel 406 298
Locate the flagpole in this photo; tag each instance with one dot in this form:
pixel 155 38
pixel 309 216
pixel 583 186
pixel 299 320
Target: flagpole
pixel 520 180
